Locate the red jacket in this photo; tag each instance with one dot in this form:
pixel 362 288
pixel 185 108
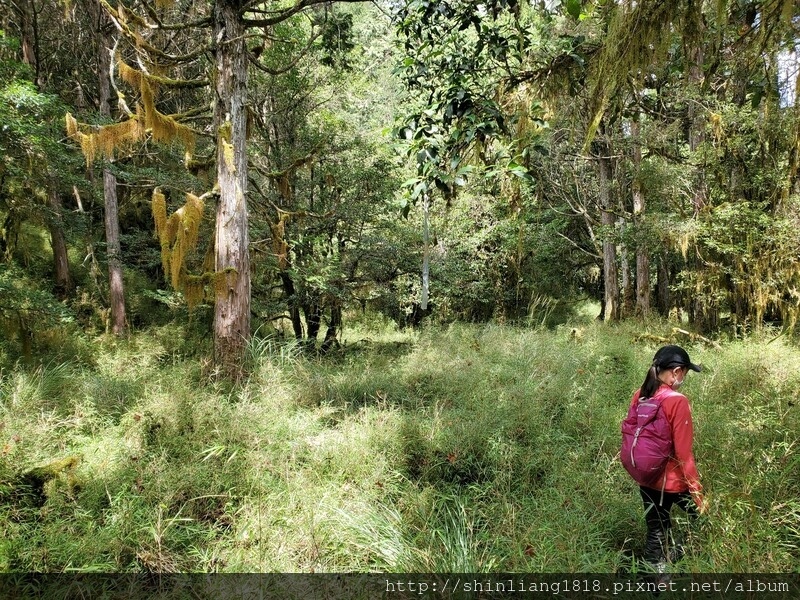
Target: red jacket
pixel 681 473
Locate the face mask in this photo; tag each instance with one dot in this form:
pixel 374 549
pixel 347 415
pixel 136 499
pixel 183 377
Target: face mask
pixel 676 384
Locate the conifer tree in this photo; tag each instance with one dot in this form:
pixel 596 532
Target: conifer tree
pixel 222 31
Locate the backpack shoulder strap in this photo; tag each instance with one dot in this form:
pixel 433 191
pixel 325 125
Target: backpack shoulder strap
pixel 665 394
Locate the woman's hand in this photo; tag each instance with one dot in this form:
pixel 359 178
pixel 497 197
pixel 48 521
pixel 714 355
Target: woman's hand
pixel 702 502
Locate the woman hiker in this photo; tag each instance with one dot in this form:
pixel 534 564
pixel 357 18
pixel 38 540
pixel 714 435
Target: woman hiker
pixel 657 450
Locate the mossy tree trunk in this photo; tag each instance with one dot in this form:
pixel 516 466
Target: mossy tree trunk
pixel 232 307
pixel 627 279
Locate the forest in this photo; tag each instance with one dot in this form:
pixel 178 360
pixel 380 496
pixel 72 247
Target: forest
pixel 349 286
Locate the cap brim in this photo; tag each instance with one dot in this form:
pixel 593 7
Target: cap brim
pixel 695 367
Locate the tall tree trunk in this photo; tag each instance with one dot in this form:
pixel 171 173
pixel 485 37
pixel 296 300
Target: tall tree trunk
pixel 642 252
pixel 627 278
pixel 293 303
pixel 9 235
pixel 313 313
pixel 116 287
pixel 703 310
pixel 232 308
pixel 57 241
pixel 333 328
pixel 663 296
pixel 29 29
pixel 426 253
pixel 611 307
pixel 693 48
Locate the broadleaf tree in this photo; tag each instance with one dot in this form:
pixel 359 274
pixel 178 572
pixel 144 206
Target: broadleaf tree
pixel 672 87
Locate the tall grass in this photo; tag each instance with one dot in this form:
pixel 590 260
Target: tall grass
pixel 466 448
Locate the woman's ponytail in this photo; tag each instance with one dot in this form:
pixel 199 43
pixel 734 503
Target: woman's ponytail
pixel 651 383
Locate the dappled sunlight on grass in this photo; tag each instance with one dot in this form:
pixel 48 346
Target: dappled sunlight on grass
pixel 469 447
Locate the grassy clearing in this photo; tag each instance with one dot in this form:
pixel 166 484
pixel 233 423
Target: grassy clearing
pixel 464 449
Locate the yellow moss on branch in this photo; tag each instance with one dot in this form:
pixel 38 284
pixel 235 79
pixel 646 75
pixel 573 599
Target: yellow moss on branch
pixel 71 125
pixel 228 155
pixel 159 209
pixel 194 290
pixel 162 127
pixel 133 77
pixel 105 140
pixel 280 248
pixel 191 220
pixel 635 38
pixel 118 136
pixel 85 140
pixel 186 226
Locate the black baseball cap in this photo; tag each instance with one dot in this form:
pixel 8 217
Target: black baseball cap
pixel 674 356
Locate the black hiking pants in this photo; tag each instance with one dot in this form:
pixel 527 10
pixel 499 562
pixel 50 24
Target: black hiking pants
pixel 657 506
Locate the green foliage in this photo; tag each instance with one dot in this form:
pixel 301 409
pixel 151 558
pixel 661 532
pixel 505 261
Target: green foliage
pixel 22 295
pixel 35 324
pixel 707 135
pixel 337 41
pixel 490 261
pixel 29 136
pixel 465 448
pixel 458 63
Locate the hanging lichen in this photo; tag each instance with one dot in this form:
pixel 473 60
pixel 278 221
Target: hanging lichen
pixel 119 136
pixel 105 140
pixel 187 223
pixel 745 264
pixel 86 141
pixel 110 139
pixel 280 247
pixel 194 290
pixel 178 235
pixel 162 127
pixel 635 37
pixel 133 77
pixel 159 209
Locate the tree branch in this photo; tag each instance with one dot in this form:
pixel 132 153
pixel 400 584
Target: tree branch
pixel 281 15
pixel 291 65
pixel 138 42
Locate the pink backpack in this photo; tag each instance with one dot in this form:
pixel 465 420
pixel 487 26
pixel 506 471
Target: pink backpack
pixel 646 440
